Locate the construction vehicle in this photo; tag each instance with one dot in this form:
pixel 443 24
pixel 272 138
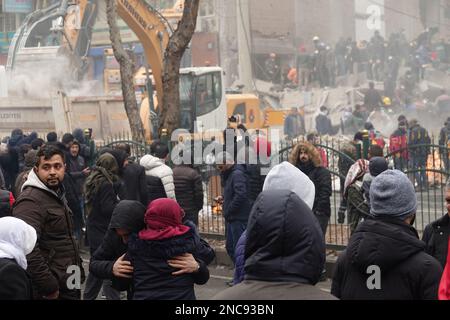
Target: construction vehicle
pixel 72 41
pixel 65 26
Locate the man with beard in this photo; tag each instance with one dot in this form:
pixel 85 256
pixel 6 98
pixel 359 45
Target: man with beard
pixel 306 158
pixel 42 205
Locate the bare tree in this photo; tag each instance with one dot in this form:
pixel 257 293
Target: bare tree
pixel 170 111
pixel 126 73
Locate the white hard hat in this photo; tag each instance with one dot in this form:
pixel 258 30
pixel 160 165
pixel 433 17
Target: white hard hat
pixel 316 38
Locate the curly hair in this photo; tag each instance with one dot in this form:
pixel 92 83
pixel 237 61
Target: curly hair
pixel 310 149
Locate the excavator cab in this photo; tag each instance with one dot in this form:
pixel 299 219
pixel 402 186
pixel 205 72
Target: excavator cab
pixel 57 36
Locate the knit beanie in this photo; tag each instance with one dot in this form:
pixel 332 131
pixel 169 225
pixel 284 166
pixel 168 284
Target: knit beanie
pixel 392 195
pixel 377 165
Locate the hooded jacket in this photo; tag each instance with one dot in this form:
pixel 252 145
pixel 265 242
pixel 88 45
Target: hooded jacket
pixel 156 168
pixel 284 176
pixel 152 276
pixel 285 251
pixel 128 215
pixel 406 271
pixel 56 250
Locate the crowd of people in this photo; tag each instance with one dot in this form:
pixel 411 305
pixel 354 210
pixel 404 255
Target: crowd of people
pixel 142 223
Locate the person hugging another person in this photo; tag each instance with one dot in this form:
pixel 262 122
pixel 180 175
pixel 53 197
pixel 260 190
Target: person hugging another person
pixel 168 257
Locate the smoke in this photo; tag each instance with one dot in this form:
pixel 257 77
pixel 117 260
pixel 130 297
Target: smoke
pixel 40 79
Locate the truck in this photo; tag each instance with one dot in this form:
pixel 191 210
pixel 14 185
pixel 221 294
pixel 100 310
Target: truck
pixel 60 36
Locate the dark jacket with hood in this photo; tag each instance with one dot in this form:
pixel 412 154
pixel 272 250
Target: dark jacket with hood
pixel 128 215
pixel 16 283
pixel 56 249
pixel 189 191
pixel 436 236
pixel 101 197
pixel 134 183
pixel 321 178
pixel 236 204
pixel 285 251
pixel 407 272
pixel 152 277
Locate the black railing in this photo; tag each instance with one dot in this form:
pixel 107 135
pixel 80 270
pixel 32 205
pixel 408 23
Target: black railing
pixel 431 200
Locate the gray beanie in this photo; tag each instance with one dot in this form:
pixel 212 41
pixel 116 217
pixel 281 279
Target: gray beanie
pixel 392 195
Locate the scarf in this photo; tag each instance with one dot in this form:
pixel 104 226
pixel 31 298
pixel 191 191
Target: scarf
pixel 163 220
pixel 356 172
pixel 106 170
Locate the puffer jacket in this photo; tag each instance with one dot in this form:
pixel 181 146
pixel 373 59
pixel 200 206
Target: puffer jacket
pixel 56 249
pixel 436 236
pixel 236 204
pixel 284 253
pixel 152 276
pixel 406 271
pixel 155 167
pixel 189 190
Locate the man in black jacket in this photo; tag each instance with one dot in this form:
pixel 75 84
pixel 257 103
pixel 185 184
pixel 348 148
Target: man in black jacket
pixel 189 191
pixel 436 233
pixel 385 258
pixel 236 204
pixel 108 261
pixel 306 157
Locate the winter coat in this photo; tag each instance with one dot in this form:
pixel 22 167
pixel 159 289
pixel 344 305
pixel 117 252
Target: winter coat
pixel 75 168
pixel 435 237
pixel 99 218
pixel 239 259
pixel 323 125
pixel 357 207
pixel 285 251
pixel 155 167
pixel 2 179
pixel 15 283
pixel 399 142
pixel 321 178
pixel 152 276
pixel 134 186
pixel 255 181
pixel 419 135
pixel 128 215
pixel 407 272
pixel 5 203
pixel 236 204
pixel 189 191
pixel 56 249
pixel 9 161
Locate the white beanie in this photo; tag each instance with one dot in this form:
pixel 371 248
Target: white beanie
pixel 285 176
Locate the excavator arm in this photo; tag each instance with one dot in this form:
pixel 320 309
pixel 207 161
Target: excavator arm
pixel 152 31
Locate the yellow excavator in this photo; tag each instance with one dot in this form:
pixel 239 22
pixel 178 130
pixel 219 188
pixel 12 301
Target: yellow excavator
pixel 62 33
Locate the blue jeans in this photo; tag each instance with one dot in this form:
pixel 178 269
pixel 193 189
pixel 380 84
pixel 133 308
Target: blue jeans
pixel 233 231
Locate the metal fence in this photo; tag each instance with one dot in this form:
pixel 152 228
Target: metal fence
pixel 431 200
pixel 433 169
